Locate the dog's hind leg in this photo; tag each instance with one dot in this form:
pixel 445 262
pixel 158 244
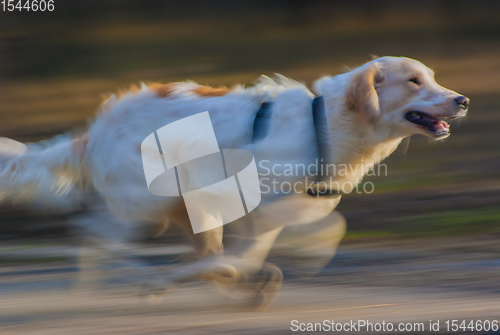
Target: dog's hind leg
pixel 104 232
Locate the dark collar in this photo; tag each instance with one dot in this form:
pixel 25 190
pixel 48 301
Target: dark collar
pixel 321 130
pixel 261 127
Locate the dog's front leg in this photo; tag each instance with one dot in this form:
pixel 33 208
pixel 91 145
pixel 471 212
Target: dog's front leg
pixel 246 252
pixel 242 264
pixel 248 261
pixel 306 249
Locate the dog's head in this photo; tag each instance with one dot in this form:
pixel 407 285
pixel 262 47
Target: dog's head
pixel 400 95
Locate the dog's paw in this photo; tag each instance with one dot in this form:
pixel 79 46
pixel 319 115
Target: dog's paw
pixel 266 287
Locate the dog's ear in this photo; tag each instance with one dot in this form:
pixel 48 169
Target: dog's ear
pixel 361 95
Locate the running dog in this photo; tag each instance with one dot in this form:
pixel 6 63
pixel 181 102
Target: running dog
pixel 364 115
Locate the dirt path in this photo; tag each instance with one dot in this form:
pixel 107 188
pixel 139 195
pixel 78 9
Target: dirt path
pixel 198 311
pixel 397 283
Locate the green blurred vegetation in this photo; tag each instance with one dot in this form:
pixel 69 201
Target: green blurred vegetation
pixel 446 223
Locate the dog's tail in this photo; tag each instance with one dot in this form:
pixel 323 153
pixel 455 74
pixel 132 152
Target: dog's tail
pixel 56 165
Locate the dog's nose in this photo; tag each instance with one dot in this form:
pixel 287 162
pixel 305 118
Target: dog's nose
pixel 462 101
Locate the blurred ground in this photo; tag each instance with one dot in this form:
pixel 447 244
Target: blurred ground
pixel 423 245
pixel 414 281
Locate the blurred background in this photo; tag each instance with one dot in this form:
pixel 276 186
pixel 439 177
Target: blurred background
pixel 432 222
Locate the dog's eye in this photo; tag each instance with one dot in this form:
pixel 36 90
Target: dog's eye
pixel 415 81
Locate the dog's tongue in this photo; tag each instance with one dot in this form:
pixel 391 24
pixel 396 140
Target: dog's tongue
pixel 440 125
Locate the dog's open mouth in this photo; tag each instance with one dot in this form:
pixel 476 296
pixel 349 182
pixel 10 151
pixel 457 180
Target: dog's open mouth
pixel 435 125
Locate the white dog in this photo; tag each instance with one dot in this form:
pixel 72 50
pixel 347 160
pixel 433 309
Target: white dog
pixel 367 112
